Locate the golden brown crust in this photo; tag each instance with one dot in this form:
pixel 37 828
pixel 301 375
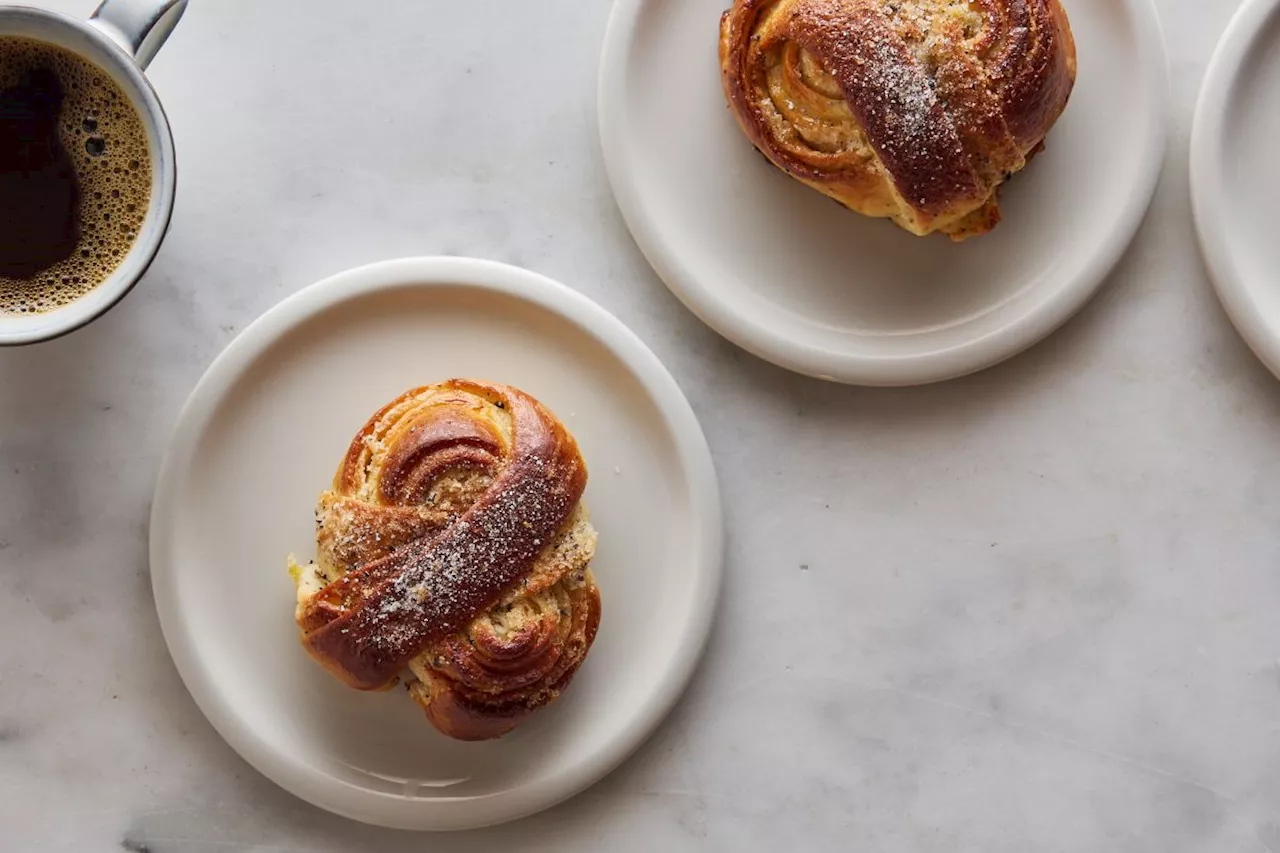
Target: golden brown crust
pixel 453 542
pixel 482 684
pixel 913 109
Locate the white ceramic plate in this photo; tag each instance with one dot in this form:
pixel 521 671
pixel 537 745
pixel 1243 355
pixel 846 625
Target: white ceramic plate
pixel 1235 174
pixel 261 436
pixel 786 273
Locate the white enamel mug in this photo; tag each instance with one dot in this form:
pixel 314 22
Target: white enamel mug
pixel 120 38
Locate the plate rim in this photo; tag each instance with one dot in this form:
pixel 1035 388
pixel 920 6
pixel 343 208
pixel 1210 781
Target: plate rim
pixel 1218 91
pixel 447 273
pixel 975 354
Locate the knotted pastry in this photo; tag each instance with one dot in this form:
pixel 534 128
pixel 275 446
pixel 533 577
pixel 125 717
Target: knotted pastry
pixel 454 544
pixel 916 110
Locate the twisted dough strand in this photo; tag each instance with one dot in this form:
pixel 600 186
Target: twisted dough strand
pixel 454 543
pixel 915 110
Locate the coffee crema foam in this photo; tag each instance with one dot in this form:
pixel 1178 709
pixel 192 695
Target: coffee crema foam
pixel 107 142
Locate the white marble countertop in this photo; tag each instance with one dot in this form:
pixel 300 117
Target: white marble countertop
pixel 1031 610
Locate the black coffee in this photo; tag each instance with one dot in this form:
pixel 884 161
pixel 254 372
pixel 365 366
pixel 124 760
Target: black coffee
pixel 75 176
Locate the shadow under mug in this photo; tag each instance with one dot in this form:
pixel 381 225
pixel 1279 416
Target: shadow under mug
pixel 120 38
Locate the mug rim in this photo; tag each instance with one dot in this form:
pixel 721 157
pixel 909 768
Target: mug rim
pixel 85 309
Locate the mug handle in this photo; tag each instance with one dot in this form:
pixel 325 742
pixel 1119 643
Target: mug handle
pixel 138 26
